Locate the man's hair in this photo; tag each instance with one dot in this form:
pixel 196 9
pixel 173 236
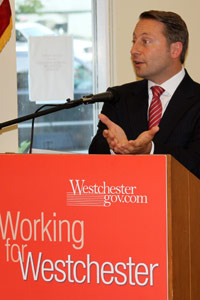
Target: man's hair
pixel 175 28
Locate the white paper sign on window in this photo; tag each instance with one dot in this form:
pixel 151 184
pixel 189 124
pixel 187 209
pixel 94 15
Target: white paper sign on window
pixel 51 75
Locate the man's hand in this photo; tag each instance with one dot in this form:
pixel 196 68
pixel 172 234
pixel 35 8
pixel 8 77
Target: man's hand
pixel 119 143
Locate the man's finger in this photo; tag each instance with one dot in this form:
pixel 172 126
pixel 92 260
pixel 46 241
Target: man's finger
pixel 154 130
pixel 105 120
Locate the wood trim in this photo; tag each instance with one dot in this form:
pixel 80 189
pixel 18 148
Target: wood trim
pixel 194 200
pixel 179 234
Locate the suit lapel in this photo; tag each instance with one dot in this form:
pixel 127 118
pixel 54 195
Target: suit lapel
pixel 137 109
pixel 177 107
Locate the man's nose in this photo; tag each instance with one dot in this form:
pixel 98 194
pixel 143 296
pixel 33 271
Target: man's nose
pixel 135 48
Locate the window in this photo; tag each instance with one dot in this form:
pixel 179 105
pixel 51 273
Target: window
pixel 68 130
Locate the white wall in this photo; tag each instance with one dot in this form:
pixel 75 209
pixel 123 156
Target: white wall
pixel 124 17
pixel 8 92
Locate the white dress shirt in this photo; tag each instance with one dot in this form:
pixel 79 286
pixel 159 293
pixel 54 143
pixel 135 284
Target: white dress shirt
pixel 170 87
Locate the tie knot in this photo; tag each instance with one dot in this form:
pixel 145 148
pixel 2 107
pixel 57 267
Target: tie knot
pixel 157 91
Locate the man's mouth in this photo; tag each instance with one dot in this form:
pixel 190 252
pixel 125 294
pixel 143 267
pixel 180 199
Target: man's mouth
pixel 138 63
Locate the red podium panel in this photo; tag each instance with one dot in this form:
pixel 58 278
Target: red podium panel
pixel 83 227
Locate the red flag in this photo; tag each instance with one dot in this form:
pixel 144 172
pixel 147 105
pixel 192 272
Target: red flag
pixel 5 22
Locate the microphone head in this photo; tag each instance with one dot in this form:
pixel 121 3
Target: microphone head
pixel 115 94
pixel 101 97
pixel 109 95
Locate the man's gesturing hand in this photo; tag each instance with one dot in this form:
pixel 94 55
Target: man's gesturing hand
pixel 119 143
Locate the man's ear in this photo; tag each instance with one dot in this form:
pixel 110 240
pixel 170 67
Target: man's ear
pixel 176 49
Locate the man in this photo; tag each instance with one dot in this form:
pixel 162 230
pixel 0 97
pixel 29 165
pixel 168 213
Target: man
pixel 160 42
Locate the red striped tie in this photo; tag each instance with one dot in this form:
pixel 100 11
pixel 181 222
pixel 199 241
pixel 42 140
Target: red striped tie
pixel 155 110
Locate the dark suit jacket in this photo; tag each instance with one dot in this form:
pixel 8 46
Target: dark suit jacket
pixel 179 133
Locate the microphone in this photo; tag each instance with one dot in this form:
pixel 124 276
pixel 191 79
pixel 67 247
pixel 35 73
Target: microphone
pixel 102 97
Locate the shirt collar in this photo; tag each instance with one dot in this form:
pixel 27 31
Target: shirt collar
pixel 171 84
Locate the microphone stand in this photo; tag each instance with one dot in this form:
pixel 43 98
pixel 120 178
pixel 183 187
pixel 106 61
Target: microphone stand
pixel 102 97
pixel 67 105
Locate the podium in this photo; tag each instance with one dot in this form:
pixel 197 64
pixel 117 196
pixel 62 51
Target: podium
pixel 183 231
pixel 98 227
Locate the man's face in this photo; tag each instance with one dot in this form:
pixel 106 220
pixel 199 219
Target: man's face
pixel 151 54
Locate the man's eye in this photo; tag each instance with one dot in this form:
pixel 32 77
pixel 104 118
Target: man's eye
pixel 146 41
